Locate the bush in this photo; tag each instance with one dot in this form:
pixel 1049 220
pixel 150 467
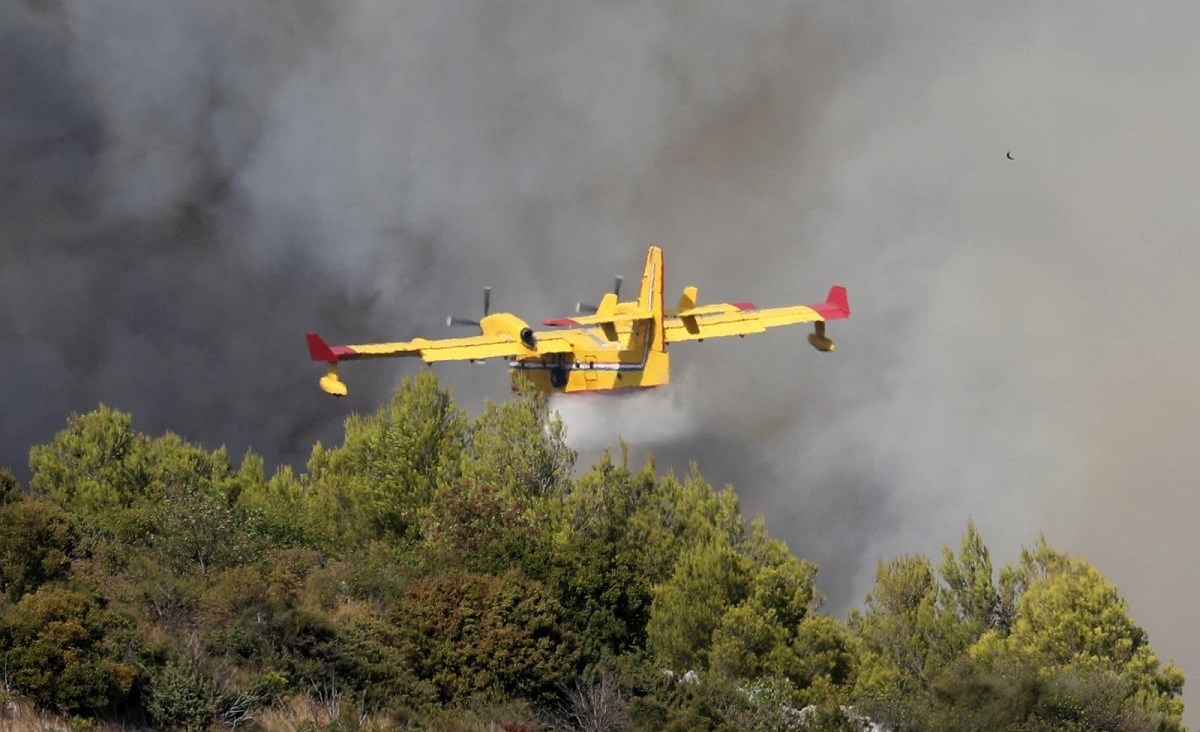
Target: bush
pixel 180 697
pixel 64 651
pixel 480 635
pixel 36 541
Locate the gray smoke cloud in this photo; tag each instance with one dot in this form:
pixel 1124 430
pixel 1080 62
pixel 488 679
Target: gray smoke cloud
pixel 189 186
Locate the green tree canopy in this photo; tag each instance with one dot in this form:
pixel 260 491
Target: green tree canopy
pixel 1046 642
pixel 10 489
pixel 485 635
pixel 101 469
pixel 36 541
pixel 708 579
pixel 519 447
pixel 68 653
pixel 434 569
pixel 391 463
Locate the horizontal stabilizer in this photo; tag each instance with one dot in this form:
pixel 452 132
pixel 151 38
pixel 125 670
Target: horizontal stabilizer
pixel 723 307
pixel 624 316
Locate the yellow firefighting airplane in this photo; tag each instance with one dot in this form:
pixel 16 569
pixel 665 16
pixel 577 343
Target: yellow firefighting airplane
pixel 620 345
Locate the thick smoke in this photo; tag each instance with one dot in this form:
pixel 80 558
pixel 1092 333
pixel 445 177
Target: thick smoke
pixel 190 185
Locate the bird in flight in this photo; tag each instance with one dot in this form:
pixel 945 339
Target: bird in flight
pixel 1009 155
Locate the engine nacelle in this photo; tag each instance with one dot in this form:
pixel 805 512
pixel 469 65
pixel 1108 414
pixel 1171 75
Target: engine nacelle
pixel 511 326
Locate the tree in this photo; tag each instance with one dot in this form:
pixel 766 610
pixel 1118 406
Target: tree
pixel 485 635
pixel 180 697
pixel 825 650
pixel 99 469
pixel 10 489
pixel 99 462
pixel 904 626
pixel 93 465
pixel 478 527
pixel 392 463
pixel 519 447
pixel 1050 645
pixel 278 503
pixel 1007 692
pixel 1071 617
pixel 687 608
pixel 66 652
pixel 36 541
pixel 433 561
pixel 757 637
pixel 605 548
pixel 750 642
pixel 783 585
pixel 198 528
pixel 971 593
pixel 595 704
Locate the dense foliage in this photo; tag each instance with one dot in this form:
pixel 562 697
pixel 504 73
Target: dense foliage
pixel 442 571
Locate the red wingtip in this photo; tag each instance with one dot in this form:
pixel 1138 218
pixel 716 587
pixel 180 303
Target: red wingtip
pixel 836 305
pixel 319 350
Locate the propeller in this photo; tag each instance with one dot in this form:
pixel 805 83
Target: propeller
pixel 487 305
pixel 581 307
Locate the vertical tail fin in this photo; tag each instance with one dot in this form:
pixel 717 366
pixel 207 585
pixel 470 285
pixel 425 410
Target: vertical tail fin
pixel 651 295
pixel 836 305
pixel 319 350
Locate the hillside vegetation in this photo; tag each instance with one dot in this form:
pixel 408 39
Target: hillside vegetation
pixel 438 571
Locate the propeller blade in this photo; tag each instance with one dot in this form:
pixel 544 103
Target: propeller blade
pixel 581 307
pixel 487 306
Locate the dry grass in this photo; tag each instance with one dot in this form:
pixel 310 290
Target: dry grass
pixel 16 716
pixel 297 712
pixel 316 710
pixel 320 710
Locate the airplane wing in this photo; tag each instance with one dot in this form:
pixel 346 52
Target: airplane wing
pixel 473 348
pixel 743 318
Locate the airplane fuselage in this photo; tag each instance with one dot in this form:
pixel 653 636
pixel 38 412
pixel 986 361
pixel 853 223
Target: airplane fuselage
pixel 629 362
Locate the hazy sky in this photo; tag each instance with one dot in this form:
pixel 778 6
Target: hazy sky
pixel 189 185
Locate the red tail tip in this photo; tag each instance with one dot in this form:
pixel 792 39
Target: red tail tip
pixel 836 305
pixel 319 350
